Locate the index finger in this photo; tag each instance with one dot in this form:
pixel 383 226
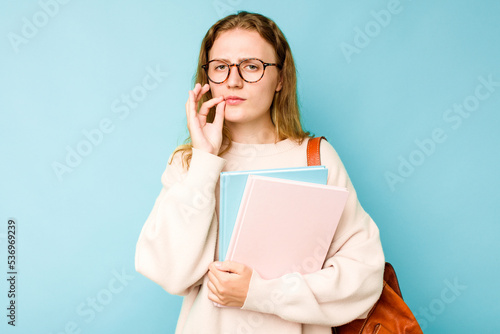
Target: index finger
pixel 191 108
pixel 205 88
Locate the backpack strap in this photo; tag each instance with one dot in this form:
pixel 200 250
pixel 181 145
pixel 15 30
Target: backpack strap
pixel 313 155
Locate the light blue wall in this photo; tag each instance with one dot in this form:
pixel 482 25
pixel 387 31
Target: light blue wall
pixel 374 94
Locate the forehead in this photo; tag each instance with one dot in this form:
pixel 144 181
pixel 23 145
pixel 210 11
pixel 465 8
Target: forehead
pixel 237 44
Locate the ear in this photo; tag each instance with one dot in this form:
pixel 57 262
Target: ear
pixel 280 84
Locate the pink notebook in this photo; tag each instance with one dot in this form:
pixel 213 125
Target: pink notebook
pixel 285 226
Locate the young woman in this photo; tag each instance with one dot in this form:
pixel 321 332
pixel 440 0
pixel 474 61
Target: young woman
pixel 243 114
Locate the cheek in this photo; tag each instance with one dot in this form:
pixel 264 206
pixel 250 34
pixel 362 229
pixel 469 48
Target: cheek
pixel 267 94
pixel 263 97
pixel 215 90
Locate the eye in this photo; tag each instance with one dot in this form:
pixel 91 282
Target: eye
pixel 251 66
pixel 221 67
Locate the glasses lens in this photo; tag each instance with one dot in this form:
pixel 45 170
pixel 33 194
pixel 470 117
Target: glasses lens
pixel 217 71
pixel 251 69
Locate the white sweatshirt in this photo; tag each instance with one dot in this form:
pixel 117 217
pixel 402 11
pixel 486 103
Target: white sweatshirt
pixel 179 241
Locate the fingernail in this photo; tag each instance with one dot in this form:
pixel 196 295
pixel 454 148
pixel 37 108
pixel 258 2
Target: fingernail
pixel 218 264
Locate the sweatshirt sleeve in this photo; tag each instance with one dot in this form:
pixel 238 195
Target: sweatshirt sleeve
pixel 351 279
pixel 177 241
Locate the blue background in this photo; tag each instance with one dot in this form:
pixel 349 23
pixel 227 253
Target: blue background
pixel 77 231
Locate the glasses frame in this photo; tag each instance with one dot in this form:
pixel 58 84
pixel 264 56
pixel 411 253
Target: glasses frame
pixel 205 67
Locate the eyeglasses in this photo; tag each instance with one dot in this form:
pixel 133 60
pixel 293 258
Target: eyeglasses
pixel 251 70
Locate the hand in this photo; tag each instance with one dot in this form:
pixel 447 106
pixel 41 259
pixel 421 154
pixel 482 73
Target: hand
pixel 228 283
pixel 205 136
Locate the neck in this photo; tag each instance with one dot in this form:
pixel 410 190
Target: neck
pixel 252 133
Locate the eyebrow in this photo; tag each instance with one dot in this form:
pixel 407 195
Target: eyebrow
pixel 239 59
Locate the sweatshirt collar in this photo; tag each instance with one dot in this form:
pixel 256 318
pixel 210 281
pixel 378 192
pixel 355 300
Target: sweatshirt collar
pixel 240 149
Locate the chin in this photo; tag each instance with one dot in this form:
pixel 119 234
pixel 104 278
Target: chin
pixel 233 117
pixel 233 112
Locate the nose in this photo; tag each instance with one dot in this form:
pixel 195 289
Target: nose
pixel 234 79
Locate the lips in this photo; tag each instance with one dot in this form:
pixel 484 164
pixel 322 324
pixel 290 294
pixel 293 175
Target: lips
pixel 232 100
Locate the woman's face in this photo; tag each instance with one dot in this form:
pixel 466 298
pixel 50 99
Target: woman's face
pixel 233 46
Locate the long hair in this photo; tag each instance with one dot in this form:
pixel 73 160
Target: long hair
pixel 284 108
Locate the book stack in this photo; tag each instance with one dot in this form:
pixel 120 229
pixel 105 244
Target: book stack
pixel 278 221
pixel 232 187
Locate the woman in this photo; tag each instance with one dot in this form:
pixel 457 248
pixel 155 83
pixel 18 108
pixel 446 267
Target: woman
pixel 247 74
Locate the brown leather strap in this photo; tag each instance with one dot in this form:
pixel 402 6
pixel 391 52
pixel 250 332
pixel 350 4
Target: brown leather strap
pixel 391 278
pixel 313 156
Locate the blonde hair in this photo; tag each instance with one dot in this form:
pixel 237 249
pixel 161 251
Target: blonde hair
pixel 285 113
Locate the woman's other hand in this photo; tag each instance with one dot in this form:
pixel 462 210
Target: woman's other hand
pixel 228 283
pixel 205 136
